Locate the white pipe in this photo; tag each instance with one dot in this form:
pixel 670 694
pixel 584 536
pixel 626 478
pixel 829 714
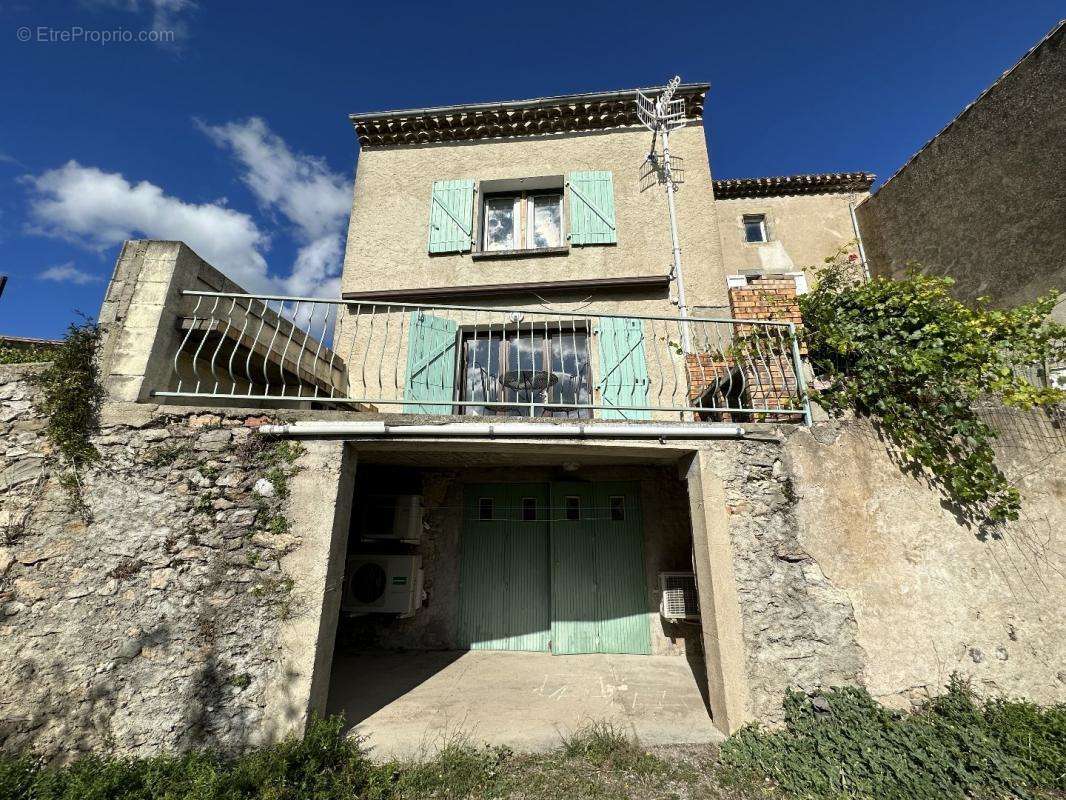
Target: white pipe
pixel 858 239
pixel 531 430
pixel 679 276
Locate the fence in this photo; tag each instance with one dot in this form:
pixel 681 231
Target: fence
pixel 448 359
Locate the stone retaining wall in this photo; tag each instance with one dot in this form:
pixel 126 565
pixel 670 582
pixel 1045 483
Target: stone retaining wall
pixel 153 619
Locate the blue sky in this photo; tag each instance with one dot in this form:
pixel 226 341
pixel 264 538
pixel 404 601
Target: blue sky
pixel 234 136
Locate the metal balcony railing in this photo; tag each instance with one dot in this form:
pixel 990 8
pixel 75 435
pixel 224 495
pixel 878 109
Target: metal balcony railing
pixel 447 359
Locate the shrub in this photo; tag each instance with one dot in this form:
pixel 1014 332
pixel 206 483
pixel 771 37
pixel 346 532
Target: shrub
pixel 916 360
pixel 846 745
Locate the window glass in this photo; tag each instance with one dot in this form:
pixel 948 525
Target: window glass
pixel 484 508
pixel 522 368
pixel 573 508
pixel 618 508
pixel 529 509
pixel 547 229
pixel 499 223
pixel 754 228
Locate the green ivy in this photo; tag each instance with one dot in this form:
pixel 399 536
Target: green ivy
pixel 916 360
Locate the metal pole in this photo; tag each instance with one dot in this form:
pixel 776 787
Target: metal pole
pixel 682 306
pixel 801 379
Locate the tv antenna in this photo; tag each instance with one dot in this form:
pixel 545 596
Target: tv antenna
pixel 661 115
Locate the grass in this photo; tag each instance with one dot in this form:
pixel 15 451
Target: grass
pixel 846 747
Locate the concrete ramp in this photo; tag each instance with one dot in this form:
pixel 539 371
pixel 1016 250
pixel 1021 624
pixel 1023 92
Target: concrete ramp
pixel 409 704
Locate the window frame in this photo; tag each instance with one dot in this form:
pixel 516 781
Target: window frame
pixel 522 241
pixel 764 229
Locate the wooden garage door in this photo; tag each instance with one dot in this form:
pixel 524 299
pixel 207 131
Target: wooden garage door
pixel 599 600
pixel 504 589
pixel 557 567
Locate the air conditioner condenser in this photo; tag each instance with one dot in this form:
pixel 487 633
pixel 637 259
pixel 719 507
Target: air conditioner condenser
pixel 383 584
pixel 679 598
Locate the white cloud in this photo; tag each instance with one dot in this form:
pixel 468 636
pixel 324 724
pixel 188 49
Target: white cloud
pixel 101 209
pixel 166 14
pixel 303 189
pixel 68 273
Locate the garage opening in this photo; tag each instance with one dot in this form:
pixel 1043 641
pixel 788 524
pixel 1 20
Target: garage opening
pixel 517 603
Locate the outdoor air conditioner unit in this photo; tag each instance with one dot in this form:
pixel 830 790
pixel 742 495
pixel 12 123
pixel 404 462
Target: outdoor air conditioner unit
pixel 396 516
pixel 383 585
pixel 680 599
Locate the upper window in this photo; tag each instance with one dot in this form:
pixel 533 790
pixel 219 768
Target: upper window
pixel 755 228
pixel 522 221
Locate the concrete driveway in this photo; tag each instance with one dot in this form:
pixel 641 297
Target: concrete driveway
pixel 410 703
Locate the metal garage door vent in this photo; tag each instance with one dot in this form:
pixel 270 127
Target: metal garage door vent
pixel 679 597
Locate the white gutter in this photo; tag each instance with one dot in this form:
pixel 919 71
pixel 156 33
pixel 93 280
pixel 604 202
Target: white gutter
pixel 858 239
pixel 530 430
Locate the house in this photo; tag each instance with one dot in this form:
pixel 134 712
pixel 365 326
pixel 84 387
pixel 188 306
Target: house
pixel 505 483
pixel 982 201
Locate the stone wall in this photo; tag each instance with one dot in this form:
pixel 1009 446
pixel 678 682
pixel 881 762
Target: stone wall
pixel 154 618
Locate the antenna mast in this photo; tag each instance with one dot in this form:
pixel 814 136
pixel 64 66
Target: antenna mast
pixel 661 116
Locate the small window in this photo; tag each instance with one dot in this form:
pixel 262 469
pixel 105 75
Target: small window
pixel 529 509
pixel 485 508
pixel 573 508
pixel 755 228
pixel 522 221
pixel 618 508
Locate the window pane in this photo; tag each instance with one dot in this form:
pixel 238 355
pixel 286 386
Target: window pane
pixel 524 380
pixel 754 229
pixel 573 508
pixel 571 370
pixel 485 508
pixel 499 223
pixel 618 508
pixel 481 374
pixel 547 221
pixel 529 509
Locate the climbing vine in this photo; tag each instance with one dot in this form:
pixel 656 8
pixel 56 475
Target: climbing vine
pixel 69 393
pixel 917 361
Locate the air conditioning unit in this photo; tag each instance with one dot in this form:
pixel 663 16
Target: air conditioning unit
pixel 383 585
pixel 394 516
pixel 679 598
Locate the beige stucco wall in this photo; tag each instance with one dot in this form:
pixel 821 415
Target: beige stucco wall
pixel 984 202
pixel 931 596
pixel 388 232
pixel 803 230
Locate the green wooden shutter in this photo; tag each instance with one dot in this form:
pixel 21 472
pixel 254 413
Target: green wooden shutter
pixel 451 211
pixel 431 354
pixel 623 378
pixel 592 208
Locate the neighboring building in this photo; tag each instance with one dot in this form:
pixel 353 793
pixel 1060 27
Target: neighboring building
pixel 787 224
pixel 983 201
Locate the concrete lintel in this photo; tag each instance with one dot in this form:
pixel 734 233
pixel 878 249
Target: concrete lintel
pixel 720 618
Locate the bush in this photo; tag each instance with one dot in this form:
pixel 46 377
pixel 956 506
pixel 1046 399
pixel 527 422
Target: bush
pixel 916 360
pixel 846 745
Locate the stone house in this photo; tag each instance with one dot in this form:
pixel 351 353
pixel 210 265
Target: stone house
pixel 502 484
pixel 982 201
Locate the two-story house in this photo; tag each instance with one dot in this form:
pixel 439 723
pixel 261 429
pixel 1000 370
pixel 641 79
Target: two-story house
pixel 541 432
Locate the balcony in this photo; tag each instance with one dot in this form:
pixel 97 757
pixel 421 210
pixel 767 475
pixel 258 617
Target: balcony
pixel 483 362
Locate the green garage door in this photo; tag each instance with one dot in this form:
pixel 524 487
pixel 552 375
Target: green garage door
pixel 557 567
pixel 504 590
pixel 599 596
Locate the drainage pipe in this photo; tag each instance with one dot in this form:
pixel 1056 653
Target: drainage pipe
pixel 530 430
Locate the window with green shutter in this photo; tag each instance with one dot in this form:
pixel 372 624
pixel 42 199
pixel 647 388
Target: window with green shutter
pixel 451 215
pixel 592 208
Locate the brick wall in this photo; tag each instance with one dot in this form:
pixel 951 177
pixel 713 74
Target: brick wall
pixel 765 378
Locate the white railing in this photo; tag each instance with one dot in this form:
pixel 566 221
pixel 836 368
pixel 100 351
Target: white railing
pixel 448 359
